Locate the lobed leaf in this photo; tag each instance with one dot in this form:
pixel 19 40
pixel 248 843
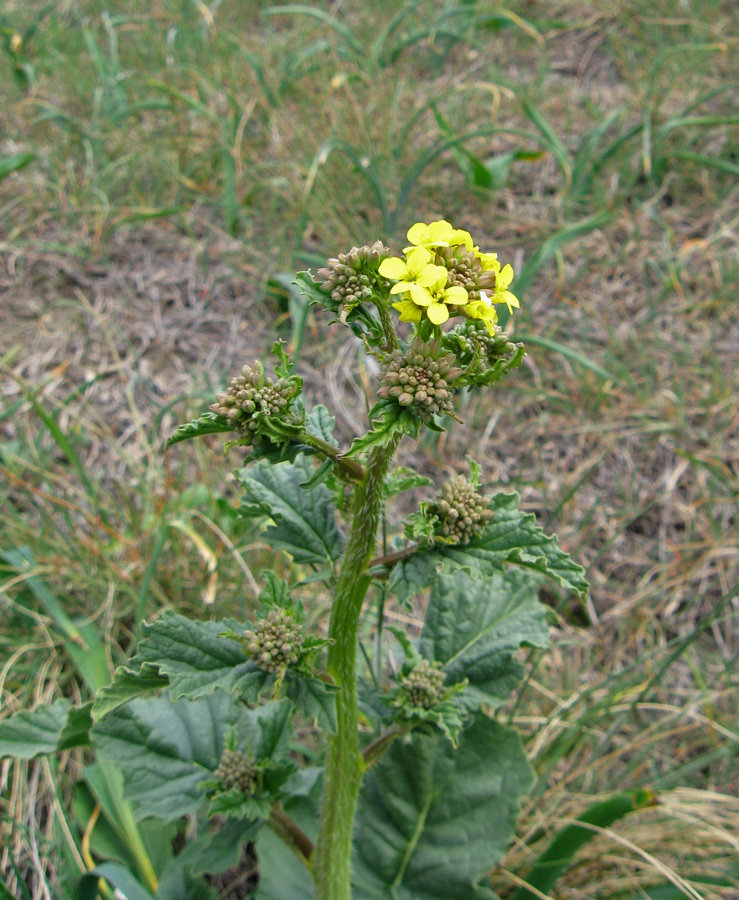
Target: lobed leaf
pixel 432 820
pixel 304 521
pixel 511 536
pixel 165 749
pixel 208 423
pixel 47 729
pixel 475 627
pixel 387 419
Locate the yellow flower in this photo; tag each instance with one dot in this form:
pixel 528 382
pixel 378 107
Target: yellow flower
pixel 434 299
pixel 483 309
pixel 417 269
pixel 488 261
pixel 502 294
pixel 437 234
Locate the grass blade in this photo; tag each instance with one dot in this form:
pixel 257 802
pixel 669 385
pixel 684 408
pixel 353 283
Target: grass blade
pixel 559 855
pixel 568 352
pixel 551 140
pixel 11 164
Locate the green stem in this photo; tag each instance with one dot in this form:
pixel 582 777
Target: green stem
pixel 344 761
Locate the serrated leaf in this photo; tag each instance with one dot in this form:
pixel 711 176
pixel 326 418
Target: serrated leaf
pixel 404 479
pixel 387 419
pixel 320 423
pixel 47 729
pixel 166 750
pixel 512 536
pixel 305 524
pixel 208 423
pixel 314 698
pixel 191 657
pixel 433 820
pixel 475 627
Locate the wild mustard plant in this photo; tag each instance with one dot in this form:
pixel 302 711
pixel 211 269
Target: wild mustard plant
pixel 384 778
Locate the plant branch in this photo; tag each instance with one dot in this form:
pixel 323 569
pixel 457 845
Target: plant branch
pixel 390 559
pixel 374 750
pixel 291 834
pixel 350 468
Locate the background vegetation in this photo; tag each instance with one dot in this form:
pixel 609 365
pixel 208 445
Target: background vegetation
pixel 165 166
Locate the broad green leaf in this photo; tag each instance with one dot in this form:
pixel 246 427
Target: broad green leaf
pixel 208 423
pixel 387 419
pixel 511 536
pixel 118 877
pixel 432 820
pixel 215 851
pixel 304 521
pixel 282 876
pixel 475 627
pixel 46 729
pixel 166 750
pixel 128 683
pixel 314 698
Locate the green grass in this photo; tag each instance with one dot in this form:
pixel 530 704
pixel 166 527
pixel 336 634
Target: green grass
pixel 159 175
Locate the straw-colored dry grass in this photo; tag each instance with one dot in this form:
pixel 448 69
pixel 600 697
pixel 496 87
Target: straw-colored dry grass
pixel 120 327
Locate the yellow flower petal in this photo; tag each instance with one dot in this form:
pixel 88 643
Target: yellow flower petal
pixel 458 236
pixel 417 234
pixel 439 232
pixel 420 295
pixel 408 310
pixel 456 295
pixel 437 313
pixel 432 277
pixel 393 268
pixel 402 287
pixel 504 278
pixel 488 261
pixel 510 301
pixel 418 259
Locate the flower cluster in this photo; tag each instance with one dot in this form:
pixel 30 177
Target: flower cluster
pixel 459 512
pixel 420 377
pixel 237 770
pixel 422 687
pixel 444 274
pixel 276 641
pixel 352 277
pixel 252 393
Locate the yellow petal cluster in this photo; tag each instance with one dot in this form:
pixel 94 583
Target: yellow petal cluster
pixel 424 285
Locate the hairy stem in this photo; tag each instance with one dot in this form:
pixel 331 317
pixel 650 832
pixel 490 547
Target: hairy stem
pixel 344 762
pixel 291 834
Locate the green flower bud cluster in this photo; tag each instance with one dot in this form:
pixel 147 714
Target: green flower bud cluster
pixel 352 277
pixel 422 687
pixel 465 270
pixel 251 393
pixel 237 770
pixel 276 641
pixel 474 336
pixel 420 377
pixel 459 510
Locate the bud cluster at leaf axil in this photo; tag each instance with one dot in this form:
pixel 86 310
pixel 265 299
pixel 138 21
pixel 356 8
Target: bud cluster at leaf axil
pixel 252 392
pixel 237 770
pixel 458 512
pixel 276 641
pixel 422 687
pixel 420 377
pixel 352 277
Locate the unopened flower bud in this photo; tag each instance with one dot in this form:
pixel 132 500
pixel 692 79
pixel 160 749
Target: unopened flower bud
pixel 422 687
pixel 253 392
pixel 460 512
pixel 420 377
pixel 237 770
pixel 276 641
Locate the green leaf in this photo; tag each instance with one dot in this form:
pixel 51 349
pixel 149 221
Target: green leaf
pixel 404 479
pixel 216 851
pixel 117 877
pixel 320 423
pixel 475 627
pixel 46 729
pixel 189 657
pixel 511 537
pixel 282 875
pixel 10 164
pixel 360 319
pixel 314 698
pixel 559 854
pixel 432 820
pixel 166 750
pixel 305 524
pixel 208 423
pixel 387 418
